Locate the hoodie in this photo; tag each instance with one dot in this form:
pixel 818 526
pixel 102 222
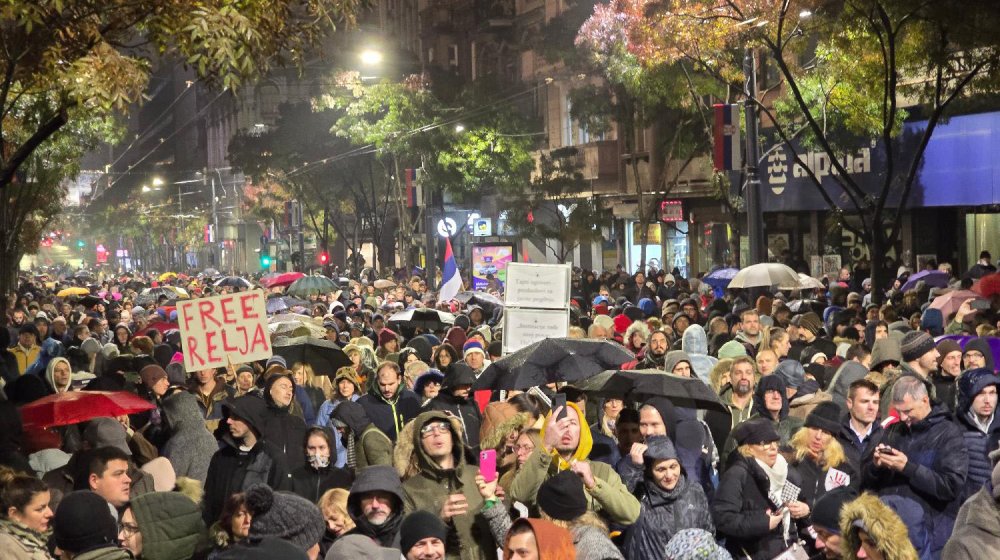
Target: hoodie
pixel 847 373
pixel 977 527
pixel 50 370
pixel 171 525
pixel 382 478
pixel 554 542
pixel 882 524
pixel 281 428
pixel 983 346
pixel 426 486
pixel 980 438
pixel 366 445
pixel 695 343
pixel 465 409
pixel 191 445
pixel 608 496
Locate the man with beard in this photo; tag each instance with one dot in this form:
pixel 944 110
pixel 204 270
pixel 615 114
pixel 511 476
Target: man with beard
pixel 656 351
pixel 737 395
pixel 376 505
pixel 749 334
pixel 949 368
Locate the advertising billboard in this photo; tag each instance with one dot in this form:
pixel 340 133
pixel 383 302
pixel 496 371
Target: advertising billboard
pixel 490 258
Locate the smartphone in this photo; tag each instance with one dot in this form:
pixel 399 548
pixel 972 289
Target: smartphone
pixel 559 400
pixel 980 305
pixel 488 464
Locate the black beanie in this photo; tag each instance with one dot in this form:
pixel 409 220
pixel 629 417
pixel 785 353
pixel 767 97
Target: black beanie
pixel 826 416
pixel 826 510
pixel 418 526
pixel 561 497
pixel 83 522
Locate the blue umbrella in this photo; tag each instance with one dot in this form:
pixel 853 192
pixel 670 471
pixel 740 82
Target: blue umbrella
pixel 719 279
pixel 933 278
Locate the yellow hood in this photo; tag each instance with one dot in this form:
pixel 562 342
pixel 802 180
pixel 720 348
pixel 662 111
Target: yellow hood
pixel 586 440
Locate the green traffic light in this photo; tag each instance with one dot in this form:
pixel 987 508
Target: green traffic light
pixel 80 243
pixel 265 261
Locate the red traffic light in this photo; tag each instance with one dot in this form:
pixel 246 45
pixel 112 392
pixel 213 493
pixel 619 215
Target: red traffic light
pixel 323 257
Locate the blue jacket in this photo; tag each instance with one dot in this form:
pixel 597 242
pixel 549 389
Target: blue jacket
pixel 979 442
pixel 935 472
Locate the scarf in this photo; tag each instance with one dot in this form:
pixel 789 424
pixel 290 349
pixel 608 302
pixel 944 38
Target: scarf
pixel 352 456
pixel 776 477
pixel 31 540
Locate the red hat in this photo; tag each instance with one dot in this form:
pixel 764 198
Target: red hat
pixel 601 309
pixel 385 336
pixel 621 323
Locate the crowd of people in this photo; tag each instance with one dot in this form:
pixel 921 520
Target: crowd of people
pixel 851 429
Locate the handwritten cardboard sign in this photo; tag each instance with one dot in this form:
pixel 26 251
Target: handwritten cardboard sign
pixel 222 330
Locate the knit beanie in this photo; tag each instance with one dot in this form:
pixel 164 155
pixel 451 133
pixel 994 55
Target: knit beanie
pixel 83 522
pixel 284 515
pixel 826 416
pixel 418 526
pixel 473 346
pixel 915 344
pixel 385 336
pixel 695 544
pixel 91 346
pixel 604 321
pixel 151 374
pixel 621 322
pixel 561 497
pixel 826 510
pixel 732 349
pixel 811 322
pixel 945 347
pixel 176 374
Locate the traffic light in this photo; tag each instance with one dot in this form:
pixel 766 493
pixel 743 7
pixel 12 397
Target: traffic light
pixel 323 258
pixel 265 261
pixel 80 243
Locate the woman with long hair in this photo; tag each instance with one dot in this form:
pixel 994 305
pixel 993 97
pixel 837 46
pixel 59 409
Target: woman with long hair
pixel 24 516
pixel 233 525
pixel 319 473
pixel 777 340
pixel 317 387
pixel 333 504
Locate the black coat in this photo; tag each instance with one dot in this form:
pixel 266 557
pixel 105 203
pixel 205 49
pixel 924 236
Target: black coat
pixel 311 483
pixel 663 514
pixel 286 432
pixel 233 470
pixel 740 507
pixel 813 478
pixel 387 415
pixel 854 449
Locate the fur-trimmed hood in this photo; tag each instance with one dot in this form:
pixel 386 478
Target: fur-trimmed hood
pixel 499 419
pixel 409 458
pixel 881 523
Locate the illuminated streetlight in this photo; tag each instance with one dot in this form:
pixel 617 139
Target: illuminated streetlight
pixel 371 57
pixel 157 182
pixel 459 128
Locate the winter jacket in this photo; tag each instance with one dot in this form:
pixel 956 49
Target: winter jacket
pixel 883 526
pixel 11 438
pixel 609 496
pixel 371 446
pixel 234 470
pixel 282 429
pixel 983 345
pixel 21 543
pixel 465 409
pixel 979 441
pixel 847 373
pixel 211 404
pixel 977 528
pixel 589 542
pixel 786 425
pixel 813 477
pixel 854 448
pixel 106 553
pixel 426 486
pixel 946 388
pixel 390 415
pixel 739 510
pixel 663 514
pixel 191 446
pixel 171 525
pixel 381 478
pixel 721 423
pixel 695 343
pixel 311 483
pixel 935 472
pixel 24 356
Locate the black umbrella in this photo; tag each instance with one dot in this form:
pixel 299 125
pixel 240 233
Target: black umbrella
pixel 424 318
pixel 324 356
pixel 551 360
pixel 639 385
pixel 236 282
pixel 280 304
pixel 486 301
pixel 90 301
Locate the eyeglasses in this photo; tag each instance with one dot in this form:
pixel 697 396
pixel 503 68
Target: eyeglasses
pixel 128 529
pixel 766 444
pixel 527 448
pixel 434 428
pixel 974 354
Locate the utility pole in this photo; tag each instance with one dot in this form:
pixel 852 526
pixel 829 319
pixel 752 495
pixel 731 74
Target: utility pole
pixel 755 214
pixel 302 240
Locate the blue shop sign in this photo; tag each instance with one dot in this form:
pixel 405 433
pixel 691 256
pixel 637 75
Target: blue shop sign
pixel 960 168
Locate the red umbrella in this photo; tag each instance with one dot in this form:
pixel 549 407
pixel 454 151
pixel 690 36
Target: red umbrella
pixel 284 279
pixel 988 285
pixel 62 409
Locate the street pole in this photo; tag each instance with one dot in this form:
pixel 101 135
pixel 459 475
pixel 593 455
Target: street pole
pixel 755 214
pixel 180 213
pixel 302 240
pixel 429 271
pixel 216 261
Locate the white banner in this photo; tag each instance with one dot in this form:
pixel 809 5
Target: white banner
pixel 222 330
pixel 522 327
pixel 544 286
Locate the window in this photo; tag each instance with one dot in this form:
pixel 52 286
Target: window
pixel 453 55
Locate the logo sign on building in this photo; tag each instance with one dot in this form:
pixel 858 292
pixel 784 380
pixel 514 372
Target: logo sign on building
pixel 222 330
pixel 102 254
pixel 447 227
pixel 482 227
pixel 671 211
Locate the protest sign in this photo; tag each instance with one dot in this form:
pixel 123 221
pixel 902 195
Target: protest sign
pixel 542 286
pixel 527 326
pixel 222 330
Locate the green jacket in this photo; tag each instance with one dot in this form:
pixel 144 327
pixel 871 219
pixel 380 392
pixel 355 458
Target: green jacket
pixel 372 448
pixel 171 525
pixel 609 496
pixel 426 486
pixel 109 553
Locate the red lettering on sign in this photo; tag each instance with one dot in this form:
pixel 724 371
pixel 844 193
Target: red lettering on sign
pixel 259 338
pixel 227 310
pixel 246 305
pixel 226 346
pixel 191 351
pixel 186 315
pixel 211 347
pixel 206 308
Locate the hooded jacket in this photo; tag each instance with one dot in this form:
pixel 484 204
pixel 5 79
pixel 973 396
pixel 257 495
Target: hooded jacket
pixel 983 345
pixel 695 343
pixel 721 423
pixel 979 440
pixel 191 445
pixel 282 428
pixel 553 541
pixel 234 469
pixel 426 486
pixel 848 372
pixel 170 523
pixel 371 446
pixel 50 372
pixel 381 478
pixel 609 496
pixel 311 482
pixel 977 527
pixel 664 512
pixel 390 415
pixel 785 425
pixel 935 472
pixel 883 526
pixel 465 409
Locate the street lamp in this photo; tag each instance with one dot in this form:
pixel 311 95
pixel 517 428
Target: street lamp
pixel 370 57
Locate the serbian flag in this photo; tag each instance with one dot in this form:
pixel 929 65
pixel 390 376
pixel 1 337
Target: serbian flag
pixel 726 135
pixel 451 282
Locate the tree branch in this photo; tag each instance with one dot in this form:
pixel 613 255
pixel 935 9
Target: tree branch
pixel 43 132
